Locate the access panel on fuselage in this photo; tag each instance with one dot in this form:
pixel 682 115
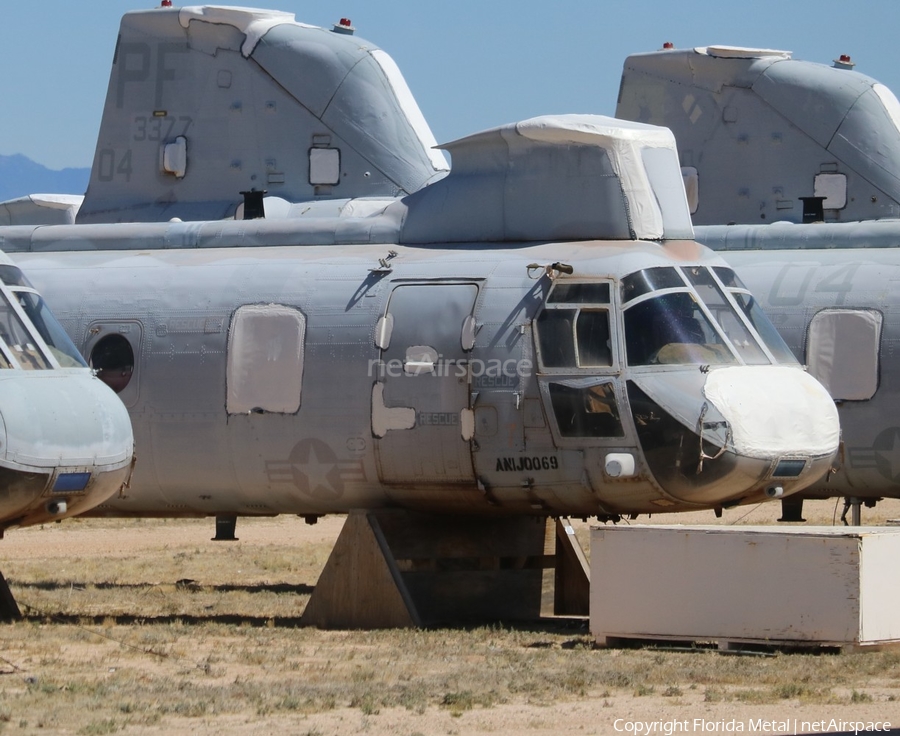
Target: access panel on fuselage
pixel 425 371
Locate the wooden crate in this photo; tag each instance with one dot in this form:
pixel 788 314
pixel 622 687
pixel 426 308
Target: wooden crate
pixel 833 586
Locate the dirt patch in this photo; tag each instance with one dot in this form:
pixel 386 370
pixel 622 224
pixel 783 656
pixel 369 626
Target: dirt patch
pixel 150 627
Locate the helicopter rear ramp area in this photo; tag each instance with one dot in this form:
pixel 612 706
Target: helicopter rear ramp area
pixel 813 586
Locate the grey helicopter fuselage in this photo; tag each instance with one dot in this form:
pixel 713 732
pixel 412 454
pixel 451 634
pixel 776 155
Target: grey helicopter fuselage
pixel 451 379
pixel 413 363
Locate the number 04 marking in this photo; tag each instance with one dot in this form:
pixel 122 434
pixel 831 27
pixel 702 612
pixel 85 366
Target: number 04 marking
pixel 109 166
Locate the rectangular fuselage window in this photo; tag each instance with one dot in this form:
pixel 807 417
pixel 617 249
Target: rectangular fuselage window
pixel 842 352
pixel 265 359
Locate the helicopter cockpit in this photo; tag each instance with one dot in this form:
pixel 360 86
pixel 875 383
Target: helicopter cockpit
pixel 669 359
pixel 65 439
pixel 30 336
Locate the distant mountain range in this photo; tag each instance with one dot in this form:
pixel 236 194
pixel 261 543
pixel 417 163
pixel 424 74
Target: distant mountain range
pixel 19 175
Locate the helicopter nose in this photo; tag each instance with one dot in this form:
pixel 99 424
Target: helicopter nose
pixel 775 411
pixel 734 434
pixel 67 444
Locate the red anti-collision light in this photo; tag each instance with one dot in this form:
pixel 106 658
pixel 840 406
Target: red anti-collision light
pixel 345 22
pixel 845 58
pixel 668 45
pixel 166 4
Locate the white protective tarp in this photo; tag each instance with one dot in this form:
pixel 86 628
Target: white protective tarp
pixel 252 22
pixel 624 142
pixel 265 359
pixel 555 177
pixel 890 102
pixel 41 209
pixel 799 416
pixel 691 179
pixel 742 52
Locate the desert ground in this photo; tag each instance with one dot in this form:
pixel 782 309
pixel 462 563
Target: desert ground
pixel 148 626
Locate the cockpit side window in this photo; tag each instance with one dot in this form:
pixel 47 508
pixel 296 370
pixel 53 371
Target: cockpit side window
pixel 580 293
pixel 12 275
pixel 586 411
pixel 729 278
pixel 764 327
pixel 555 338
pixel 576 338
pixel 574 329
pixel 41 318
pixel 592 338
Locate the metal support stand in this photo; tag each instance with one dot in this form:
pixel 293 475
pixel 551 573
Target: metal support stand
pixel 791 509
pixel 225 526
pixel 852 504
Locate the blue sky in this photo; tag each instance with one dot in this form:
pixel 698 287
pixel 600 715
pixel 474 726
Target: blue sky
pixel 471 64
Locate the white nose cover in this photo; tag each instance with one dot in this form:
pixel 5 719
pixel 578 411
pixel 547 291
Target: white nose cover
pixel 774 410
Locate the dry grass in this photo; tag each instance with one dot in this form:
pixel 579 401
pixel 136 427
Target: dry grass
pixel 193 636
pixel 107 677
pixel 110 677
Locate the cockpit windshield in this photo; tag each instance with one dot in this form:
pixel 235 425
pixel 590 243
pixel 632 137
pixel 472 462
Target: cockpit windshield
pixel 12 276
pixel 753 312
pixel 672 328
pixel 20 344
pixel 689 316
pixel 712 295
pixel 51 331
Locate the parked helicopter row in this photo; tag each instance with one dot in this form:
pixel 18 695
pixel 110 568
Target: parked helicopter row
pixel 535 331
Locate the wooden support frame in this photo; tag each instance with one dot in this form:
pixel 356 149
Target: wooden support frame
pixel 572 573
pixel 393 569
pixel 360 586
